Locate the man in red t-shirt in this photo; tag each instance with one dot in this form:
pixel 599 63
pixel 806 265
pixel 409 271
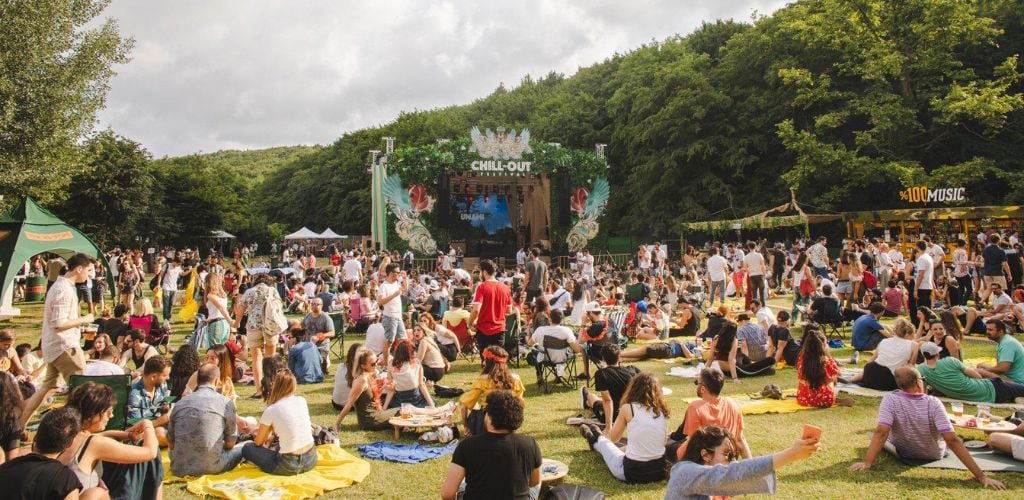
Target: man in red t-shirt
pixel 490 305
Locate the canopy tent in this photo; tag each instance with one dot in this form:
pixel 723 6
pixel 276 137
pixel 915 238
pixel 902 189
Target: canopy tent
pixel 27 230
pixel 222 235
pixel 329 234
pixel 303 234
pixel 772 218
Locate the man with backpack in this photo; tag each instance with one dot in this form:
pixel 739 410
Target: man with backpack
pixel 265 321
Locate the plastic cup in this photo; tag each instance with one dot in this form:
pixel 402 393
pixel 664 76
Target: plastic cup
pixel 958 409
pixel 984 415
pixel 406 410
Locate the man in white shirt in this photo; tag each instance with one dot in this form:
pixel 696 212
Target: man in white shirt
pixel 61 339
pixel 375 338
pixel 588 265
pixel 352 270
pixel 718 272
pixel 169 286
pixel 764 315
pixel 521 257
pixel 818 257
pixel 753 262
pixel 884 266
pixel 924 283
pixel 389 297
pixel 554 330
pixel 937 253
pixel 559 299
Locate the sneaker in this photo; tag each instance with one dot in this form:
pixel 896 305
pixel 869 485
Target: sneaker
pixel 584 393
pixel 589 435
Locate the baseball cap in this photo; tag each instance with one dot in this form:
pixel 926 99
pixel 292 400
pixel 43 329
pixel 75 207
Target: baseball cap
pixel 931 348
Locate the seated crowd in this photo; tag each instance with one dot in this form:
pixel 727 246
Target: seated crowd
pixel 418 324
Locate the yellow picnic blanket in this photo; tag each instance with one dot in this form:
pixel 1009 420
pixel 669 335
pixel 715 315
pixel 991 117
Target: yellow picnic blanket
pixel 972 362
pixel 335 468
pixel 750 405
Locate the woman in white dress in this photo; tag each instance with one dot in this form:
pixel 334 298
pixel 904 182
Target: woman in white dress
pixel 580 299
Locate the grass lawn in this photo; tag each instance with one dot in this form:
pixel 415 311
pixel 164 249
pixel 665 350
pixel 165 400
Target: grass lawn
pixel 845 436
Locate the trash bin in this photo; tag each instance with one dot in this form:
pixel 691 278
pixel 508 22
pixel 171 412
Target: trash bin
pixel 274 262
pixel 35 289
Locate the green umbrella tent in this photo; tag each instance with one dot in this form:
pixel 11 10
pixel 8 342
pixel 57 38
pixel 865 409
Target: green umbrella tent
pixel 27 230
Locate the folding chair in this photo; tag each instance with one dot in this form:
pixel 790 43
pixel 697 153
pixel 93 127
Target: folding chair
pixel 512 340
pixel 461 331
pixel 340 327
pixel 557 353
pixel 616 325
pixel 121 384
pixel 831 321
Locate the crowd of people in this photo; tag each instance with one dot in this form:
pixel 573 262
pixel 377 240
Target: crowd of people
pixel 419 322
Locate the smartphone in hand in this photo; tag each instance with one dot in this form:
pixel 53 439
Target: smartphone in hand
pixel 812 432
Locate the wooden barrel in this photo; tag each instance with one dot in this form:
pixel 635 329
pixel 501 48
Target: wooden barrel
pixel 35 289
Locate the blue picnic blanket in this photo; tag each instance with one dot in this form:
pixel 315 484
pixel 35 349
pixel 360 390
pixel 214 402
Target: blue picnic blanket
pixel 404 453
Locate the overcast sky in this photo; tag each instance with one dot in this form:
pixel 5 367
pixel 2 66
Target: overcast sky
pixel 210 75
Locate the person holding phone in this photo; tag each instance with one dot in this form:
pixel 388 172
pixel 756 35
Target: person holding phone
pixel 902 430
pixel 707 468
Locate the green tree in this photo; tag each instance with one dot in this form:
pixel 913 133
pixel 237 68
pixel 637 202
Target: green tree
pixel 111 191
pixel 56 60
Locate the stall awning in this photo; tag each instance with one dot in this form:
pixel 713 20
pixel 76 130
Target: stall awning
pixel 769 219
pixel 329 234
pixel 222 235
pixel 939 213
pixel 303 234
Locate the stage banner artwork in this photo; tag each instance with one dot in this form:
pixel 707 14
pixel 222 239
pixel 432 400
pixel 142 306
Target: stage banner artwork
pixel 588 206
pixel 408 205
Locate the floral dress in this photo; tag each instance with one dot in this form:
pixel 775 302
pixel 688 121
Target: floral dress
pixel 825 396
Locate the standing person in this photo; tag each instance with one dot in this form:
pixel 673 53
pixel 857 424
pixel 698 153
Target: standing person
pixel 718 272
pixel 287 416
pixel 61 336
pixel 536 276
pixel 995 268
pixel 168 279
pixel 254 306
pixel 924 282
pixel 497 463
pixel 756 269
pixel 491 303
pixel 218 319
pixel 962 272
pixel 389 297
pixel 817 255
pixel 644 416
pixel 202 429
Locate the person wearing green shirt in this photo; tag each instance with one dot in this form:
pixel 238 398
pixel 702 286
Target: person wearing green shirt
pixel 954 380
pixel 1009 354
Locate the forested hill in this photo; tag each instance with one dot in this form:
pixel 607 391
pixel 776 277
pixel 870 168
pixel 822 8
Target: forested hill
pixel 846 101
pixel 257 163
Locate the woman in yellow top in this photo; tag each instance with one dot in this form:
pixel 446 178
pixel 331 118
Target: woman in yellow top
pixel 495 376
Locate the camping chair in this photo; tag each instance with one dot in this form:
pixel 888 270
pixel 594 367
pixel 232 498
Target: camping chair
pixel 557 353
pixel 831 321
pixel 616 326
pixel 340 327
pixel 512 340
pixel 461 331
pixel 121 384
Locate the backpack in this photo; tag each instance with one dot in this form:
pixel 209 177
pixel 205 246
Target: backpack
pixel 870 281
pixel 274 321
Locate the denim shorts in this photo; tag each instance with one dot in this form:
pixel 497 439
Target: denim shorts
pixel 394 328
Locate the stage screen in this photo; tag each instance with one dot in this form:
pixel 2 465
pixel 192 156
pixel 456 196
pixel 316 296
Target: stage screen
pixel 480 213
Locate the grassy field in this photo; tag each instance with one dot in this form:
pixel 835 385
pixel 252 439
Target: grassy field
pixel 845 436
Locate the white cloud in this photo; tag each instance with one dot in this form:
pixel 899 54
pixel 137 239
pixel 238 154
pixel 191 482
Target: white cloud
pixel 249 74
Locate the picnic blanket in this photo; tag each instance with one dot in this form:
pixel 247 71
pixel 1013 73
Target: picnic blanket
pixel 404 453
pixel 753 404
pixel 683 371
pixel 856 390
pixel 335 468
pixel 988 459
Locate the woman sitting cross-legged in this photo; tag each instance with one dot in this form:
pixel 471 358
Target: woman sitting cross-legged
pixel 707 468
pixel 407 378
pixel 817 372
pixel 287 416
pixel 365 396
pixel 723 354
pixel 644 417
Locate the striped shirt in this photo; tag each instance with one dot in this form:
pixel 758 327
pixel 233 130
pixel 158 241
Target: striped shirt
pixel 917 422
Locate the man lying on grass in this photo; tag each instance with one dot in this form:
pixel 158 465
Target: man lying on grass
pixel 900 424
